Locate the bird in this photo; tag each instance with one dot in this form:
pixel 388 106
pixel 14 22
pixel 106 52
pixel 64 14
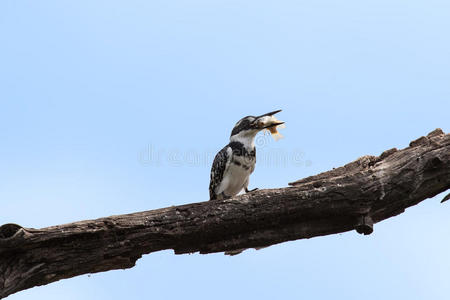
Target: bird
pixel 233 165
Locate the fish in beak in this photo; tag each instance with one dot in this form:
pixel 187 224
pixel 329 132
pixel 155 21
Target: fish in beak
pixel 270 123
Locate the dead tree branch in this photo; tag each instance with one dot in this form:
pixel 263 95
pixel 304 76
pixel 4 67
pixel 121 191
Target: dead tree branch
pixel 355 196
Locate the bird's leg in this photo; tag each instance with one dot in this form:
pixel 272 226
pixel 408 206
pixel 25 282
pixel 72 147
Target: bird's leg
pixel 249 191
pixel 246 187
pixel 224 196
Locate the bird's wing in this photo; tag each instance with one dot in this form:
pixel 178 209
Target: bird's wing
pixel 217 170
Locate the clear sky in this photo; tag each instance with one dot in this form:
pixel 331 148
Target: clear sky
pixel 111 107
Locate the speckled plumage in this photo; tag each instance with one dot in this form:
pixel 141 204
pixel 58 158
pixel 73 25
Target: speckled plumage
pixel 234 160
pixel 217 171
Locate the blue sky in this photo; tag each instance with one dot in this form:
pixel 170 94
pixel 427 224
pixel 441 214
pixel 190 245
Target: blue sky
pixel 111 107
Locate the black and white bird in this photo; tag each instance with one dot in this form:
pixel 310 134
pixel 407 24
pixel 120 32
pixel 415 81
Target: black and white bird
pixel 233 164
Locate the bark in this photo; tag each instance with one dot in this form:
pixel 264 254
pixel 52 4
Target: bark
pixel 352 197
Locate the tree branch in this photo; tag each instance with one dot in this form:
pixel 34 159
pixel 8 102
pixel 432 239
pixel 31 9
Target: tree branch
pixel 355 196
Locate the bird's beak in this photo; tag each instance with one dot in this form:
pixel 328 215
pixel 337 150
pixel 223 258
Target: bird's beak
pixel 269 114
pixel 272 125
pixel 262 121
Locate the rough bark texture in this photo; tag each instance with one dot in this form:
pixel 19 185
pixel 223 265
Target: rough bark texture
pixel 355 196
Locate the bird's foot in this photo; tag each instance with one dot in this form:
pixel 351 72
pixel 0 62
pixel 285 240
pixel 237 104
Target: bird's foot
pixel 250 191
pixel 224 197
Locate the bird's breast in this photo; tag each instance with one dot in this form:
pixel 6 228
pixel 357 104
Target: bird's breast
pixel 244 162
pixel 237 175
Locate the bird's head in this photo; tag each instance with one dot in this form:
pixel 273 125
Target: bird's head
pixel 249 126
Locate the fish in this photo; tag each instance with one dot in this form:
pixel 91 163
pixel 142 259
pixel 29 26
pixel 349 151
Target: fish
pixel 272 125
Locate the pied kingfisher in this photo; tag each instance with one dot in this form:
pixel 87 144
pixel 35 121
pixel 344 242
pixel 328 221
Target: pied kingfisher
pixel 233 164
